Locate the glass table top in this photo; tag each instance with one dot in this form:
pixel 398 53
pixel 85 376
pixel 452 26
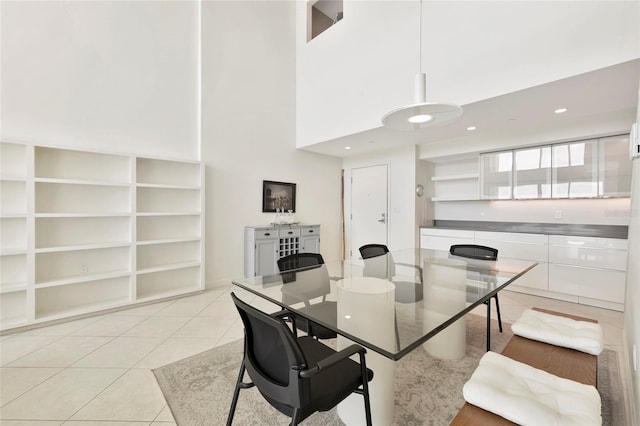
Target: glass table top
pixel 390 304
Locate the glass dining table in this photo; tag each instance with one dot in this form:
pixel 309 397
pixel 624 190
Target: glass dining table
pixel 391 305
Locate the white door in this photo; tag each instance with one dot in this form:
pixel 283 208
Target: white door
pixel 368 207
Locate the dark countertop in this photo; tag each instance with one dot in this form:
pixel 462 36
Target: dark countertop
pixel 603 231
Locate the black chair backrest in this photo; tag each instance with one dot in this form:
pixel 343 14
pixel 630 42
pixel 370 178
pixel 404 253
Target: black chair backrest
pixel 376 264
pixel 474 251
pixel 311 267
pixel 272 356
pixel 299 260
pixel 368 251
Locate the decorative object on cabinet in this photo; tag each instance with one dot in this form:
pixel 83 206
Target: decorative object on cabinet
pixel 421 114
pixel 103 231
pixel 278 196
pixel 264 245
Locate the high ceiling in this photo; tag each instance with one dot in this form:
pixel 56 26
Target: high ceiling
pixel 587 97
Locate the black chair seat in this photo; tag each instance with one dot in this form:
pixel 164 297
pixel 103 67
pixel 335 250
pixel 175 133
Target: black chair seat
pixel 327 310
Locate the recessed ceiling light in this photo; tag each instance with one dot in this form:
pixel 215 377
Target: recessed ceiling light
pixel 470 128
pixel 560 110
pixel 347 147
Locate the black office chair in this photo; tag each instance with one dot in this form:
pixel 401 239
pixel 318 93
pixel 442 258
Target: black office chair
pixel 317 284
pixel 377 265
pixel 297 375
pixel 474 251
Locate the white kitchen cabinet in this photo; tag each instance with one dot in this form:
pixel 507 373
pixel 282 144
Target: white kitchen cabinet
pixel 85 231
pixel 532 173
pixel 264 245
pixel 443 239
pixel 575 169
pixel 586 270
pixel 532 247
pixel 589 268
pixel 496 175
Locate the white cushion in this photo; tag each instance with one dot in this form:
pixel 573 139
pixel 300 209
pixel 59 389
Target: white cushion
pixel 560 331
pixel 529 396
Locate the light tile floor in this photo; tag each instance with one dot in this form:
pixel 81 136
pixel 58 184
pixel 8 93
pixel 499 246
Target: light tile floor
pixel 97 371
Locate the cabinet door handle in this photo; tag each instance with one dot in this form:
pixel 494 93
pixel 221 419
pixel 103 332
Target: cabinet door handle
pixel 290 232
pixel 311 231
pixel 266 234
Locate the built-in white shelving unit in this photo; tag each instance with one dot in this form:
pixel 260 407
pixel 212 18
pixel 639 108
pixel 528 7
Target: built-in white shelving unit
pixel 456 180
pixel 88 231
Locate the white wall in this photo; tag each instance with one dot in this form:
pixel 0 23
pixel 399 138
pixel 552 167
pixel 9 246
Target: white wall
pixel 248 132
pixel 612 211
pixel 632 297
pixel 117 76
pixel 363 66
pixel 401 223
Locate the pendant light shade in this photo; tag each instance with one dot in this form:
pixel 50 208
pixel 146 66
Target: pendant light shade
pixel 421 114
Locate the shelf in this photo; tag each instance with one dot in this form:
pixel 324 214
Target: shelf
pixel 13 161
pixel 166 186
pixel 83 297
pixel 82 182
pixel 13 308
pixel 167 227
pixel 65 198
pixel 158 283
pixel 13 287
pixel 12 178
pixel 83 247
pixel 81 166
pixel 455 177
pixel 9 215
pixel 79 215
pixel 168 241
pixel 69 228
pixel 167 200
pixel 169 267
pixel 13 251
pixel 82 279
pixel 64 232
pixel 147 214
pixel 160 173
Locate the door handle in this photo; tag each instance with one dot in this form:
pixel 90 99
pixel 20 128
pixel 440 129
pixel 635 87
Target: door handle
pixel 383 219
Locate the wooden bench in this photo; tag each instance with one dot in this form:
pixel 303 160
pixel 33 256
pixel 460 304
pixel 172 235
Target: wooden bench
pixel 562 362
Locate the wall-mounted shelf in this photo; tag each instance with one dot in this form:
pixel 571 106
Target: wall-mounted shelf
pixel 456 180
pixel 84 231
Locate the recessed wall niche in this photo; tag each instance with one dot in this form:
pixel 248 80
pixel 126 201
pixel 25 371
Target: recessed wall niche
pixel 322 15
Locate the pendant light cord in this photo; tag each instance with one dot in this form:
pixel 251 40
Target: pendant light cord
pixel 420 41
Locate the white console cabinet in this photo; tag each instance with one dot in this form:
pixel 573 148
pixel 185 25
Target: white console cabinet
pixel 85 231
pixel 264 245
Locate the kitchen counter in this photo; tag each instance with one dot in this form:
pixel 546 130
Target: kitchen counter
pixel 603 231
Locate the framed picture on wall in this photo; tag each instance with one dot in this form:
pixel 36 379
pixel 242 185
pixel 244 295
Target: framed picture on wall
pixel 278 195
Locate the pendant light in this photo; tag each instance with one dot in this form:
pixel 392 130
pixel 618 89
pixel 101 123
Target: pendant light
pixel 421 114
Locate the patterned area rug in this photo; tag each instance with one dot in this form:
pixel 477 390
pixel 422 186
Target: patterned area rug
pixel 428 391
